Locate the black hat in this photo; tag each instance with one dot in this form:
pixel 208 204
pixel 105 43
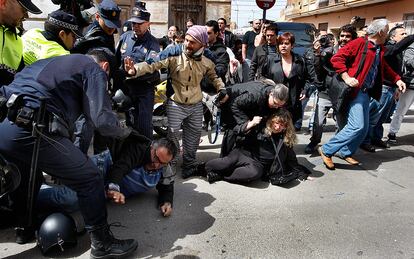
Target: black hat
pixel 139 14
pixel 110 12
pixel 65 20
pixel 29 6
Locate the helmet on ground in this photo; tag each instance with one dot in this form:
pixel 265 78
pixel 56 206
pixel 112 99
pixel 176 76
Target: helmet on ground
pixel 57 230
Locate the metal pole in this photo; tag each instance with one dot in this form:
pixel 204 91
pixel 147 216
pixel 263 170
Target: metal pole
pixel 264 16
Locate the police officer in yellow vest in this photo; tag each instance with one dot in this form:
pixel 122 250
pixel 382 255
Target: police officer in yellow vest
pixel 58 37
pixel 12 12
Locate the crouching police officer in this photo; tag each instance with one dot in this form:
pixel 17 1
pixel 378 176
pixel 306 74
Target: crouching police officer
pixel 73 85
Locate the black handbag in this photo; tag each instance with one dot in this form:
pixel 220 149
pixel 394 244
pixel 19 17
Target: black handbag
pixel 338 91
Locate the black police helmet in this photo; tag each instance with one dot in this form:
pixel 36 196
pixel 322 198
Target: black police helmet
pixel 9 177
pixel 57 229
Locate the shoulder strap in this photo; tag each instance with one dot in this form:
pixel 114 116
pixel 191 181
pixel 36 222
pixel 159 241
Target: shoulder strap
pixel 364 54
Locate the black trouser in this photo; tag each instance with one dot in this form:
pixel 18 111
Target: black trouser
pixel 236 167
pixel 58 157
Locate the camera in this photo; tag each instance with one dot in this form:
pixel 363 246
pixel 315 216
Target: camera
pixel 325 41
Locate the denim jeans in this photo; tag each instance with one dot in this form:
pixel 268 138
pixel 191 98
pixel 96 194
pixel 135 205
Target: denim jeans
pixel 375 110
pixel 347 140
pixel 386 104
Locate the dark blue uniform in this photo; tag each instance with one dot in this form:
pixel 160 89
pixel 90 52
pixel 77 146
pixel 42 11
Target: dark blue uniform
pixel 141 89
pixel 74 85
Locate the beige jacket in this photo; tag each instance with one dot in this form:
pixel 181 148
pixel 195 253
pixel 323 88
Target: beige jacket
pixel 186 75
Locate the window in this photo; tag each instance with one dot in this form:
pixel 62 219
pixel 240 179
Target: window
pixel 323 26
pixel 378 17
pixel 323 3
pixel 409 23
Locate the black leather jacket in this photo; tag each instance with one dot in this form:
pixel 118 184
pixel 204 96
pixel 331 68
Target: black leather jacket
pixel 95 37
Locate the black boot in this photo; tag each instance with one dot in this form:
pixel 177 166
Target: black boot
pixel 105 245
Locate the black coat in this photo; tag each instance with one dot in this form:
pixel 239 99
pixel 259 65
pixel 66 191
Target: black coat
pixel 259 59
pixel 295 81
pixel 94 38
pixel 394 55
pixel 229 39
pixel 221 59
pixel 135 151
pixel 247 100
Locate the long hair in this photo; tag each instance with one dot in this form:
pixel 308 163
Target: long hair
pixel 282 116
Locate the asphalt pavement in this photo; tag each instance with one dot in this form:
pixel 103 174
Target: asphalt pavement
pixel 364 211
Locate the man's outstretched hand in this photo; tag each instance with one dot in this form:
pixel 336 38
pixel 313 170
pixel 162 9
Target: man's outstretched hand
pixel 129 66
pixel 115 196
pixel 166 209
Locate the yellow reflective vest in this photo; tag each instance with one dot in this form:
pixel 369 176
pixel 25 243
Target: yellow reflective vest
pixel 11 49
pixel 36 46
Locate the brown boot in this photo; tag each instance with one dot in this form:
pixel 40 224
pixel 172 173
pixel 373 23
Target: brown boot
pixel 326 160
pixel 351 160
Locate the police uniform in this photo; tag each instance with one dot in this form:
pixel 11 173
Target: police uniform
pixel 141 89
pixel 72 84
pixel 11 51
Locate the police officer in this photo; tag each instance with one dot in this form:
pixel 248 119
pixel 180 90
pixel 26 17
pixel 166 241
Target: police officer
pixel 12 12
pixel 139 44
pixel 58 37
pixel 101 33
pixel 72 84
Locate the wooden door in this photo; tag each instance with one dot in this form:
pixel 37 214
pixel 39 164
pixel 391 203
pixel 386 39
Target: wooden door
pixel 181 10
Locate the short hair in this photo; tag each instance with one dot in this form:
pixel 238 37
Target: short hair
pixel 377 26
pixel 272 27
pixel 213 24
pixel 103 55
pixel 55 29
pixel 189 19
pixel 393 31
pixel 350 29
pixel 166 143
pixel 280 92
pixel 286 36
pixel 224 20
pixel 176 27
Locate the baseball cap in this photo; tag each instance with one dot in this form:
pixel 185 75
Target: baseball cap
pixel 65 20
pixel 110 13
pixel 29 6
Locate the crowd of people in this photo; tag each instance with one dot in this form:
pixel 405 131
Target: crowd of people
pixel 260 84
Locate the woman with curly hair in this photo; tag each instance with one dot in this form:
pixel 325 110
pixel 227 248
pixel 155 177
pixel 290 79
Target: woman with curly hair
pixel 266 152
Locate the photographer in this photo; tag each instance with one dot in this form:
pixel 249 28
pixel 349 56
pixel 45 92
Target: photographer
pixel 323 69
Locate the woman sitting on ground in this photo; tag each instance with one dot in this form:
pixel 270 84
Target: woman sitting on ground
pixel 265 153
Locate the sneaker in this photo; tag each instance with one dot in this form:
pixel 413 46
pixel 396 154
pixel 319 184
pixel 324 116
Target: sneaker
pixel 392 138
pixel 214 177
pixel 24 235
pixel 379 143
pixel 310 148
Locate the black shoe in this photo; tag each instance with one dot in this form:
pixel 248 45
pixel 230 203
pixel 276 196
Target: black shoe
pixel 310 148
pixel 392 138
pixel 24 235
pixel 189 172
pixel 214 177
pixel 201 169
pixel 105 245
pixel 368 147
pixel 379 143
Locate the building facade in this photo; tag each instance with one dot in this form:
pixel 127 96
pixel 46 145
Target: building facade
pixel 329 15
pixel 164 13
